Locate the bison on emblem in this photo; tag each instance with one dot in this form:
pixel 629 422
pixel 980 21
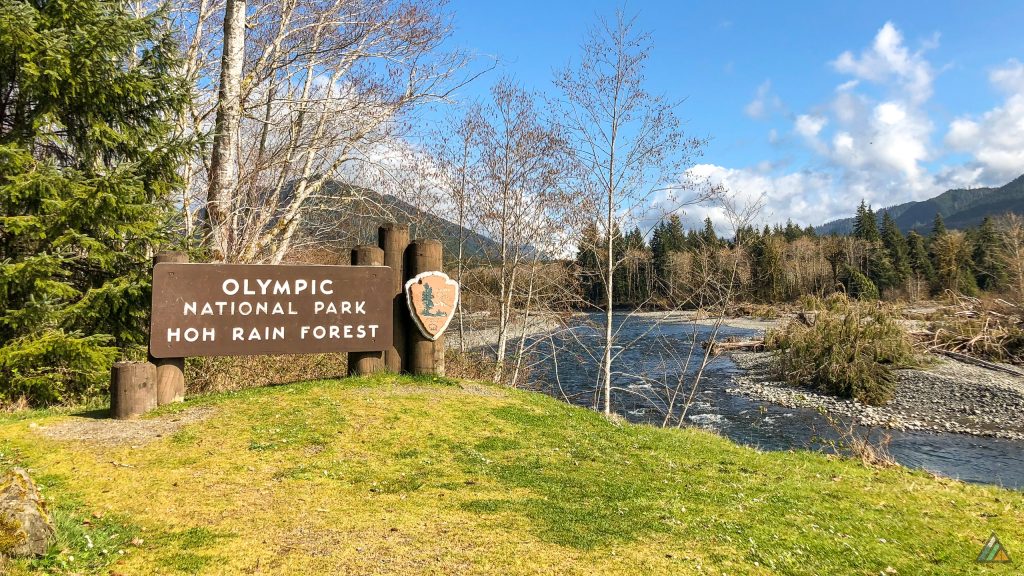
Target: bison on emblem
pixel 432 298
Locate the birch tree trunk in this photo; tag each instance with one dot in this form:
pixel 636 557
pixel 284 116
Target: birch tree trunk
pixel 224 159
pixel 609 337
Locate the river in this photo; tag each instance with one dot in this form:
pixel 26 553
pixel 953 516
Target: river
pixel 653 355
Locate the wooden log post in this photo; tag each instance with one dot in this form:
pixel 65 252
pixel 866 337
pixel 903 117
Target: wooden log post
pixel 170 372
pixel 133 389
pixel 363 363
pixel 394 239
pixel 426 356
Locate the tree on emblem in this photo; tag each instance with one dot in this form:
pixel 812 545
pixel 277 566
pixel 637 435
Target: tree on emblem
pixel 428 302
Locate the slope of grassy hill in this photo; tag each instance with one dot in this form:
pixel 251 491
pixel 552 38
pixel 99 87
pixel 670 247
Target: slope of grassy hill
pixel 959 208
pixel 396 475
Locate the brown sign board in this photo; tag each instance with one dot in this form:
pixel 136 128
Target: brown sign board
pixel 242 309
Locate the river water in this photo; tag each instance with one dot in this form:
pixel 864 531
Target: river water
pixel 653 360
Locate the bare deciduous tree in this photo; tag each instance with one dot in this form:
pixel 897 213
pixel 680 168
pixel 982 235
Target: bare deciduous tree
pixel 520 203
pixel 457 169
pixel 628 142
pixel 1011 237
pixel 320 91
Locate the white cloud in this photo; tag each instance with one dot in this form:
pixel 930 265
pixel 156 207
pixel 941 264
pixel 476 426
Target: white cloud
pixel 873 139
pixel 889 59
pixel 764 103
pixel 808 125
pixel 995 139
pixel 807 196
pixel 848 85
pixel 1009 78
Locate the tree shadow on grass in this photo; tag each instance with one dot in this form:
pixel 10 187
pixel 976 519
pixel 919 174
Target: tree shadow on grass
pixel 95 414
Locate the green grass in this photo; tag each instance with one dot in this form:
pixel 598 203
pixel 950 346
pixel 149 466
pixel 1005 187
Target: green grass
pixel 406 476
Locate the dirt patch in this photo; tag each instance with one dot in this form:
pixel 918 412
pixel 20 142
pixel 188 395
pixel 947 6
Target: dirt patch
pixel 122 432
pixel 483 390
pixel 462 389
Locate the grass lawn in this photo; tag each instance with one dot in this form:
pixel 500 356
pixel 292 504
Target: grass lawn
pixel 390 475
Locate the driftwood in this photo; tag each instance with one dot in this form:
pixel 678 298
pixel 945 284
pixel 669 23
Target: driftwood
pixel 979 362
pixel 720 346
pixel 807 318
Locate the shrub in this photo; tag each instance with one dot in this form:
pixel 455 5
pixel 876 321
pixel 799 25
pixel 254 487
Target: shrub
pixel 848 349
pixel 858 285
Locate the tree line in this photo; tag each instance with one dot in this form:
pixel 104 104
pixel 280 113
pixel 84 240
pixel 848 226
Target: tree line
pixel 781 263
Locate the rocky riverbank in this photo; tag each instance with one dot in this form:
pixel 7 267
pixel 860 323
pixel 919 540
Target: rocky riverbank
pixel 945 396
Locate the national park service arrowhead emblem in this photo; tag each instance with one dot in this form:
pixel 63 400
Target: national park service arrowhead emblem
pixel 432 298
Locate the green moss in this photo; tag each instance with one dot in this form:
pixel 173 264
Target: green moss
pixel 11 535
pixel 187 562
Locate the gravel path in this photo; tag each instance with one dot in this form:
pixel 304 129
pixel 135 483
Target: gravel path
pixel 122 432
pixel 946 396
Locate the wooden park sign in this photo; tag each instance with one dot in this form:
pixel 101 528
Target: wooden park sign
pixel 235 309
pixel 248 309
pixel 432 298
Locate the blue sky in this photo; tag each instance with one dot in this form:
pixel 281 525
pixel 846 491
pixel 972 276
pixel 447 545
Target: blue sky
pixel 812 105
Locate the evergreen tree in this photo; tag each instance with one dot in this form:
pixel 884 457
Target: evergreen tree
pixel 934 239
pixel 896 248
pixel 953 263
pixel 938 227
pixel 636 263
pixel 865 224
pixel 619 287
pixel 858 285
pixel 89 94
pixel 989 269
pixel 879 268
pixel 668 239
pixel 708 236
pixel 746 235
pixel 766 268
pixel 588 266
pixel 693 240
pixel 920 263
pixel 792 231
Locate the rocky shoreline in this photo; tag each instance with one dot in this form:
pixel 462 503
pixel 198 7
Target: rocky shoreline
pixel 945 396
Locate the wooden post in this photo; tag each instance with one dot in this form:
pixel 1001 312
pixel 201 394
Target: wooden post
pixel 426 356
pixel 170 372
pixel 394 239
pixel 132 389
pixel 363 363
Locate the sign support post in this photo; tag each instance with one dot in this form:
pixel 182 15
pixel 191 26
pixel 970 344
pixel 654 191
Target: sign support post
pixel 394 239
pixel 170 372
pixel 426 356
pixel 132 389
pixel 364 363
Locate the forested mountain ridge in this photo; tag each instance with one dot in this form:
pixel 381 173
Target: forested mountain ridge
pixel 345 215
pixel 960 208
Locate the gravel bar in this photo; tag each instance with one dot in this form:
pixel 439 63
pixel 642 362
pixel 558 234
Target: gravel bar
pixel 944 396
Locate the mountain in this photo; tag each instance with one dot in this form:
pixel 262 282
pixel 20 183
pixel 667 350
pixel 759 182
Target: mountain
pixel 342 216
pixel 960 209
